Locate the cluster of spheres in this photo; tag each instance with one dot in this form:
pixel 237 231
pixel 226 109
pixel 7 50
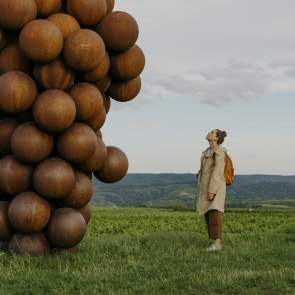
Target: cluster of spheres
pixel 61 64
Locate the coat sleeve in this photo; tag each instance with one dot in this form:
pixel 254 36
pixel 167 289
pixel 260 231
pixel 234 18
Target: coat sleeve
pixel 217 177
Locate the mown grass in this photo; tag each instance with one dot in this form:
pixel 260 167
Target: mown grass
pixel 162 252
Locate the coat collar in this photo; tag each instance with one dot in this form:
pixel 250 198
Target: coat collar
pixel 208 153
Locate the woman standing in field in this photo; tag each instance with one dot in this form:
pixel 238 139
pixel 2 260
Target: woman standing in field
pixel 211 189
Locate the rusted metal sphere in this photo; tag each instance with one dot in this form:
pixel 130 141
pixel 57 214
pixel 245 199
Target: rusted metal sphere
pixel 98 134
pixel 7 127
pixel 86 212
pixel 29 244
pixel 65 22
pixel 81 194
pixel 54 178
pixel 41 40
pixel 87 12
pixel 126 90
pixel 28 212
pixel 103 84
pixel 66 227
pixel 31 144
pixel 115 166
pixel 3 38
pixel 128 64
pixel 13 59
pixel 119 31
pixel 97 122
pixel 54 75
pixel 15 176
pixel 54 110
pixel 83 50
pixel 14 14
pixel 110 5
pixel 47 7
pixel 6 230
pixel 18 92
pixel 96 161
pixel 99 72
pixel 77 143
pixel 88 100
pixel 106 102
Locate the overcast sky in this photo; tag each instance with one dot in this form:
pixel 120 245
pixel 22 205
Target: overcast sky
pixel 227 64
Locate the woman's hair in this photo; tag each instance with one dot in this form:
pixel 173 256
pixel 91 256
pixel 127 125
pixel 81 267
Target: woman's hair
pixel 221 135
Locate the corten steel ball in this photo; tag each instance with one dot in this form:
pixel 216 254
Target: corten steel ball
pixel 41 40
pixel 54 75
pixel 96 161
pixel 7 127
pixel 99 72
pixel 86 212
pixel 128 64
pixel 126 90
pixel 88 100
pixel 115 166
pixel 87 12
pixel 28 212
pixel 106 102
pixel 29 244
pixel 77 143
pixel 13 59
pixel 54 178
pixel 3 38
pixel 98 134
pixel 103 84
pixel 14 14
pixel 47 7
pixel 110 5
pixel 6 230
pixel 54 110
pixel 31 144
pixel 98 121
pixel 119 31
pixel 83 50
pixel 66 227
pixel 65 22
pixel 81 194
pixel 15 176
pixel 18 92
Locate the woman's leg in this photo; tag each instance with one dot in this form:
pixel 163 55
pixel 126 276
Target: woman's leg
pixel 215 226
pixel 206 215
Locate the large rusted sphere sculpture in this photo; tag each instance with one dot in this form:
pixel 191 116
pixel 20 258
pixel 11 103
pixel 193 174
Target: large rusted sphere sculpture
pixel 103 84
pixel 119 31
pixel 3 39
pixel 128 64
pixel 6 230
pixel 126 90
pixel 83 50
pixel 96 161
pixel 54 110
pixel 115 166
pixel 54 75
pixel 81 194
pixel 86 212
pixel 7 127
pixel 87 12
pixel 66 228
pixel 46 37
pixel 99 72
pixel 54 178
pixel 31 144
pixel 29 244
pixel 110 5
pixel 47 7
pixel 14 14
pixel 28 212
pixel 18 92
pixel 66 23
pixel 13 59
pixel 15 176
pixel 88 100
pixel 77 143
pixel 98 121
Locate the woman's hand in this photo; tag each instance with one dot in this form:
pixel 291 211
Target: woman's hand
pixel 211 197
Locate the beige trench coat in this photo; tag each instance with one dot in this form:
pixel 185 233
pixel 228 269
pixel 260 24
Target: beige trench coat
pixel 211 179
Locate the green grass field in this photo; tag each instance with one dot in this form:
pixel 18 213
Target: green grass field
pixel 158 251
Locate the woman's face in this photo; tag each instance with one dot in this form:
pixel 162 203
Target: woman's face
pixel 212 135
